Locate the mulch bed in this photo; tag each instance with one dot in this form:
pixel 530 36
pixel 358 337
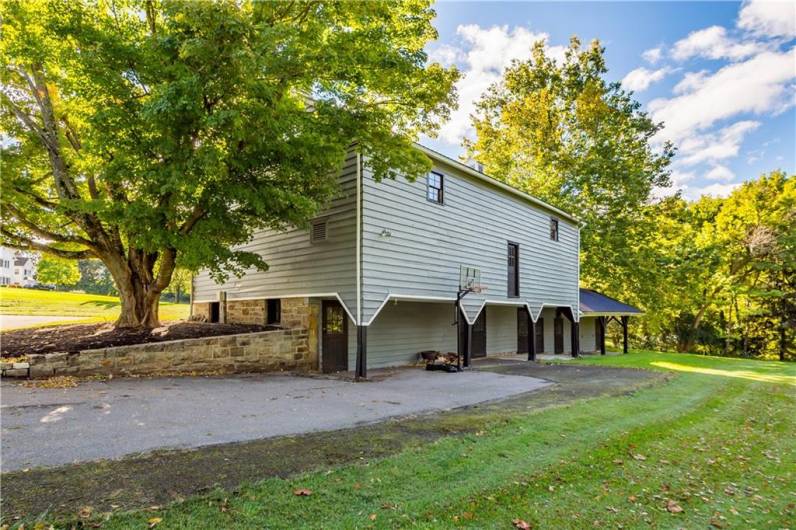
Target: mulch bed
pixel 95 336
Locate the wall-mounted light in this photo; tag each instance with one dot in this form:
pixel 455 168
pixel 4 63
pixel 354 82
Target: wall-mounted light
pixel 385 234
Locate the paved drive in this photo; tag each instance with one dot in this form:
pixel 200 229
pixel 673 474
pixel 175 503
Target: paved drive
pixel 21 321
pixel 47 427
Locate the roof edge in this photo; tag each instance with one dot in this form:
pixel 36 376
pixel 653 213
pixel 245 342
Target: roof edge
pixel 495 182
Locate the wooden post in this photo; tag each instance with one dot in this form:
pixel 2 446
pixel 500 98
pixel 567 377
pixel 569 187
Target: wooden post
pixel 531 338
pixel 468 347
pixel 601 320
pixel 624 334
pixel 362 352
pixel 575 328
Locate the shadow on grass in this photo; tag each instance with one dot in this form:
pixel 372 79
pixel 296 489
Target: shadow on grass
pixel 102 303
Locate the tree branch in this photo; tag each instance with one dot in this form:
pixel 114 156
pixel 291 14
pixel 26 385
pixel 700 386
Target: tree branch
pixel 22 243
pixel 46 234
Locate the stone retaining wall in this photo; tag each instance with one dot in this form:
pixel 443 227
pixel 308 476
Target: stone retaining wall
pixel 265 351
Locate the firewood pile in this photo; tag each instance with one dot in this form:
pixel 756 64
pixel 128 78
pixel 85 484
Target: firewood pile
pixel 448 362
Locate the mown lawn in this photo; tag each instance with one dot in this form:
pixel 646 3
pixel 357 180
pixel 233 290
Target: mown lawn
pixel 712 446
pixel 94 307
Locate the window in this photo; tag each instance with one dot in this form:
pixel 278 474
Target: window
pixel 554 229
pixel 513 270
pixel 318 231
pixel 434 187
pixel 273 311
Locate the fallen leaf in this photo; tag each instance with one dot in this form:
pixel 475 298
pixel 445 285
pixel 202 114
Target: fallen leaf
pixel 372 517
pixel 673 507
pixel 619 461
pixel 715 523
pixel 302 492
pixel 632 498
pixel 85 512
pixel 639 457
pixel 154 521
pixel 521 525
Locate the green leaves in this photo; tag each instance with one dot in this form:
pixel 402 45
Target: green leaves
pixel 182 127
pixel 564 134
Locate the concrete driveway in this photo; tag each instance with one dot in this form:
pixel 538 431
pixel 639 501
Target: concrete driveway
pixel 8 322
pixel 50 427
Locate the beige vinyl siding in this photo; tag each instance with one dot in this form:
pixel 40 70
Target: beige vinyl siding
pixel 412 246
pixel 297 265
pixel 501 329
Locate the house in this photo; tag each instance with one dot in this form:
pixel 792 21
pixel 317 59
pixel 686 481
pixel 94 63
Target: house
pixel 17 268
pixel 455 261
pixel 24 271
pixel 6 266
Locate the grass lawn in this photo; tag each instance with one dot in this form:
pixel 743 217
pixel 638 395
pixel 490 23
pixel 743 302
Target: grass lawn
pixel 94 307
pixel 712 446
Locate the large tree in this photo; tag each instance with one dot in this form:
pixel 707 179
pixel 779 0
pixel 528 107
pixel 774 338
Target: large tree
pixel 560 131
pixel 156 133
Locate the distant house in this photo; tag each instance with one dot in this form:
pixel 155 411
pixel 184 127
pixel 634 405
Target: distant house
pixel 455 261
pixel 6 266
pixel 17 268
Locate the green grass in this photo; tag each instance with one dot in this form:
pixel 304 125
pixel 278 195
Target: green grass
pixel 93 307
pixel 716 439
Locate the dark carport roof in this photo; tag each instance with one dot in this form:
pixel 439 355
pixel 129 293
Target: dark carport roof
pixel 592 302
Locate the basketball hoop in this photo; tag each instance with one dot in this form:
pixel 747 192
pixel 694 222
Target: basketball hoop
pixel 477 288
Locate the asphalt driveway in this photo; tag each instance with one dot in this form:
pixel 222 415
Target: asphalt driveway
pixel 98 420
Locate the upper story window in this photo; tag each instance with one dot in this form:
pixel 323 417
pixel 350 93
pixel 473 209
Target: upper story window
pixel 554 229
pixel 513 270
pixel 434 187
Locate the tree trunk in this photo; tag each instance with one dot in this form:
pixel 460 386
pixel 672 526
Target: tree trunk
pixel 139 288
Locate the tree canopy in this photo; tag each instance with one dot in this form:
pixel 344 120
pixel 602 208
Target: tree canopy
pixel 57 271
pixel 561 132
pixel 156 133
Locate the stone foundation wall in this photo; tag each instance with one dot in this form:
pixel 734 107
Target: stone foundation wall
pixel 265 351
pixel 246 312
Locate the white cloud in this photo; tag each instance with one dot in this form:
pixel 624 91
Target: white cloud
pixel 713 43
pixel 722 173
pixel 446 55
pixel 716 190
pixel 769 18
pixel 653 55
pixel 712 147
pixel 485 54
pixel 757 85
pixel 641 78
pixel 691 81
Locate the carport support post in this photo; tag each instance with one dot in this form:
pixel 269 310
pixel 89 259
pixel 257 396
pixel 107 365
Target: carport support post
pixel 362 352
pixel 624 334
pixel 575 338
pixel 601 320
pixel 531 338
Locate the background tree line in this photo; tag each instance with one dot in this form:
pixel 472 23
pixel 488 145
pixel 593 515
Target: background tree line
pixel 713 275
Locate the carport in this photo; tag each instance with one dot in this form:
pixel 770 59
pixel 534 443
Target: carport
pixel 604 309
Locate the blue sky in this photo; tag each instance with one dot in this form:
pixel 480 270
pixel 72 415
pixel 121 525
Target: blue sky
pixel 720 75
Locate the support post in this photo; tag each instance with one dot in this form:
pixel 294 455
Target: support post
pixel 531 338
pixel 362 352
pixel 624 334
pixel 601 320
pixel 468 347
pixel 575 327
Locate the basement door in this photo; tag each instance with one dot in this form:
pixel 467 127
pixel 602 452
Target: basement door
pixel 558 335
pixel 334 337
pixel 523 330
pixel 479 335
